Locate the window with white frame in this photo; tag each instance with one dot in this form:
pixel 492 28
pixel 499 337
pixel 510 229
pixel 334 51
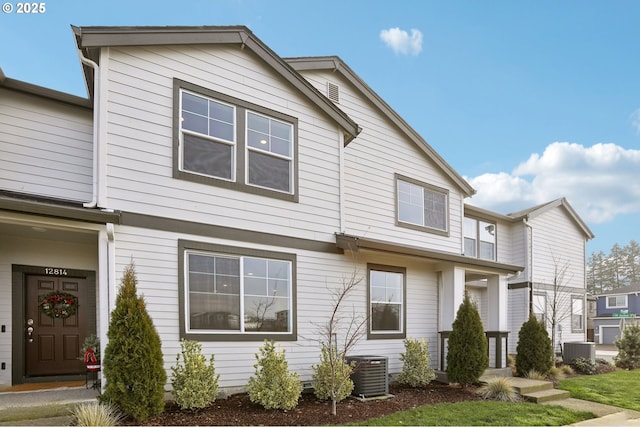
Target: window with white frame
pixel 422 206
pixel 224 141
pixel 539 307
pixel 617 301
pixel 230 292
pixel 479 239
pixel 386 301
pixel 577 314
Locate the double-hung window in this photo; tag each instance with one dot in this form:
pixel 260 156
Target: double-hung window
pixel 617 301
pixel 227 142
pixel 387 301
pixel 230 292
pixel 422 206
pixel 577 314
pixel 479 239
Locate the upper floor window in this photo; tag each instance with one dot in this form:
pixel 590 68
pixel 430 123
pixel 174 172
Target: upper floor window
pixel 227 142
pixel 386 301
pixel 479 239
pixel 617 301
pixel 422 206
pixel 243 292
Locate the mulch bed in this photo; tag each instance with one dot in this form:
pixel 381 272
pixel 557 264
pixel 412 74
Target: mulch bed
pixel 239 410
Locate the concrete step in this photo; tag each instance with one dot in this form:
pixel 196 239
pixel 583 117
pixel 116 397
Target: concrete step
pixel 526 386
pixel 546 395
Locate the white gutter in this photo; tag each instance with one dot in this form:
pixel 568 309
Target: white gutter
pixel 96 98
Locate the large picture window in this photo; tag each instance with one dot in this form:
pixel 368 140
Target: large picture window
pixel 386 301
pixel 228 292
pixel 227 142
pixel 422 206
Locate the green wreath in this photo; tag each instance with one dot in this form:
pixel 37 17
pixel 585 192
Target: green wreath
pixel 58 304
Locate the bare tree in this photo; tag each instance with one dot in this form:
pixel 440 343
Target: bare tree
pixel 343 329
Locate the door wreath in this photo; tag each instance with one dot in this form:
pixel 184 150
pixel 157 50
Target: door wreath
pixel 58 304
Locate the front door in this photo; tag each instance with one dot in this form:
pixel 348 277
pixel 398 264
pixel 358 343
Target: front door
pixel 53 337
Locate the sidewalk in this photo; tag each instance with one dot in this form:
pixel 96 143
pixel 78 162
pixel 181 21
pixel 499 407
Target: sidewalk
pixel 607 415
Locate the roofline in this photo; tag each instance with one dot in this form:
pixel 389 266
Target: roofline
pixel 487 214
pixel 90 39
pixel 334 63
pixel 43 92
pixel 539 209
pixel 354 243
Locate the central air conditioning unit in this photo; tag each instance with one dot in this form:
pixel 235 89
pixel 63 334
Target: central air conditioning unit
pixel 370 376
pixel 575 350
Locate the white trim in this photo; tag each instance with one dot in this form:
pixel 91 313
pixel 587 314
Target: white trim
pixel 626 301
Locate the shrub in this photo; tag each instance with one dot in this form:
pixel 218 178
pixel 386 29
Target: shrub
pixel 96 414
pixel 567 370
pixel 603 368
pixel 499 389
pixel 556 373
pixel 583 366
pixel 511 360
pixel 534 351
pixel 132 363
pixel 467 357
pixel 416 371
pixel 628 344
pixel 535 375
pixel 195 384
pixel 332 376
pixel 273 386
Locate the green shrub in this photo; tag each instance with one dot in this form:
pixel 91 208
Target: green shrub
pixel 602 367
pixel 132 363
pixel 195 384
pixel 628 344
pixel 556 373
pixel 273 386
pixel 583 366
pixel 499 388
pixel 96 414
pixel 567 370
pixel 332 376
pixel 534 351
pixel 467 357
pixel 535 375
pixel 416 371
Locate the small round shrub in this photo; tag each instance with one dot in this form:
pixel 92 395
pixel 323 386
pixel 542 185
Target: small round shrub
pixel 332 376
pixel 195 384
pixel 583 366
pixel 272 385
pixel 567 369
pixel 96 414
pixel 499 389
pixel 416 371
pixel 556 373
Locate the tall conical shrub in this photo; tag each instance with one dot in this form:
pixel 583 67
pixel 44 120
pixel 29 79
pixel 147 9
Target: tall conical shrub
pixel 534 350
pixel 467 357
pixel 132 363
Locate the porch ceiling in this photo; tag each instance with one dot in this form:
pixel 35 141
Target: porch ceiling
pixel 43 233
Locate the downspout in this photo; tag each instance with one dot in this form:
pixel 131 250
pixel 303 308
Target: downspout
pixel 529 263
pixel 341 181
pixel 96 98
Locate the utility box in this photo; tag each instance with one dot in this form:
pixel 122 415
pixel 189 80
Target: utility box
pixel 575 350
pixel 370 376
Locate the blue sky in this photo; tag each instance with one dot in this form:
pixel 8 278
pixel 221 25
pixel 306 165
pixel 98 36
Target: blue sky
pixel 528 100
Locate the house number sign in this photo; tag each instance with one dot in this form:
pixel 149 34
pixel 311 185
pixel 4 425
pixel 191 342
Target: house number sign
pixel 55 271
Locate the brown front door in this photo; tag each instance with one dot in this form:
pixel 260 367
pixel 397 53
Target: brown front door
pixel 52 346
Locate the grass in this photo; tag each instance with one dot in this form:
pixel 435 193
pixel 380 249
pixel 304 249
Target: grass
pixel 619 388
pixel 9 416
pixel 482 413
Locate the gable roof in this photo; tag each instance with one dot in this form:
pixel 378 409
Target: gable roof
pixel 545 207
pixel 91 39
pixel 335 64
pixel 622 290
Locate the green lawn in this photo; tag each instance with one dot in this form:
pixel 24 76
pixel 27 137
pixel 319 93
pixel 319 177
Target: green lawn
pixel 482 413
pixel 619 388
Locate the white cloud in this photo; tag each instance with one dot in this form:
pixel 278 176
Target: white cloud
pixel 635 120
pixel 401 42
pixel 600 182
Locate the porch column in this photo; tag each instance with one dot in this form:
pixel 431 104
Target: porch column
pixel 451 295
pixel 497 288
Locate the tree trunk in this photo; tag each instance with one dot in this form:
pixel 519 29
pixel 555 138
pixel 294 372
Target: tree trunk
pixel 334 409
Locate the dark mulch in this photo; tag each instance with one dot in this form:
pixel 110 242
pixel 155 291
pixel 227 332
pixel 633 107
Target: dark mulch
pixel 239 410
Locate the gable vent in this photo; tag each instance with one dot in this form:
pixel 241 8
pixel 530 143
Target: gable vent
pixel 333 92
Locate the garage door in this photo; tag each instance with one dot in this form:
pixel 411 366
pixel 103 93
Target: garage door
pixel 609 334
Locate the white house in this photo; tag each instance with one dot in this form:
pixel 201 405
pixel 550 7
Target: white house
pixel 244 187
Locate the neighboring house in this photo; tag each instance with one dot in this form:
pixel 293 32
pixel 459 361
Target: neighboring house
pixel 245 187
pixel 613 310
